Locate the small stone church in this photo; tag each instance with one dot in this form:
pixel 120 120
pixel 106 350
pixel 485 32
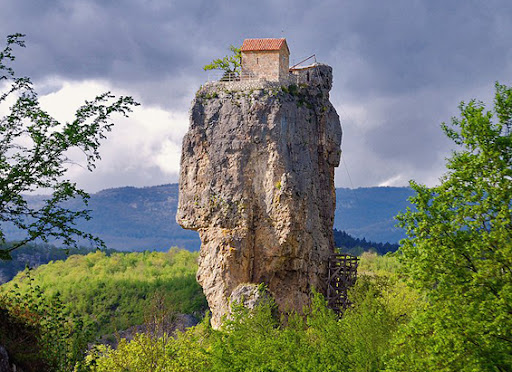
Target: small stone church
pixel 267 59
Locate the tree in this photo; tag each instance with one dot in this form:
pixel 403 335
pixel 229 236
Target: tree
pixel 230 64
pixel 459 249
pixel 34 150
pixel 38 331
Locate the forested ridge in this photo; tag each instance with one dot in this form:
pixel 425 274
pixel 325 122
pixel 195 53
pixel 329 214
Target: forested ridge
pixel 33 255
pixel 111 292
pixel 131 218
pixel 356 246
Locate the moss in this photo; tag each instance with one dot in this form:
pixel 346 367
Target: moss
pixel 211 95
pixel 206 95
pixel 293 89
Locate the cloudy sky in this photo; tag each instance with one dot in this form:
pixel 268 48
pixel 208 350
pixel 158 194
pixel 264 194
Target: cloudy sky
pixel 400 69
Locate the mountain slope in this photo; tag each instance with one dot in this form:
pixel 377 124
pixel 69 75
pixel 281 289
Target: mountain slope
pixel 368 212
pixel 130 218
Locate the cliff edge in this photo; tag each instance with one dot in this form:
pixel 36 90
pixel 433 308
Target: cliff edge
pixel 257 183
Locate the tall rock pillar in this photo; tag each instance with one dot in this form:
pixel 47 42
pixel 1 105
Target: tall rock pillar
pixel 257 183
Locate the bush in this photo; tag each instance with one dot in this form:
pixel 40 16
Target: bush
pixel 39 332
pixel 254 340
pixel 111 293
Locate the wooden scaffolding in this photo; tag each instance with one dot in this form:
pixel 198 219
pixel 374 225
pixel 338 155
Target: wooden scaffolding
pixel 342 275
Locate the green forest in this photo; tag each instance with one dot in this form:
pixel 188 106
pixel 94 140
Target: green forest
pixel 67 304
pixel 111 293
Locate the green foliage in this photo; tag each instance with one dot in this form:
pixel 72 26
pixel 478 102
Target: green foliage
pixel 254 340
pixel 39 332
pixel 293 90
pixel 206 95
pixel 229 64
pixel 371 263
pixel 145 353
pixel 33 156
pixel 33 255
pixel 459 250
pixel 382 304
pixel 131 218
pixel 112 292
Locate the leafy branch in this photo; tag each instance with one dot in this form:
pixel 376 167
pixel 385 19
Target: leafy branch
pixel 34 149
pixel 230 64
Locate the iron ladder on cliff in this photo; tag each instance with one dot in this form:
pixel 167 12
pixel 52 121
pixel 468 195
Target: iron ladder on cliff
pixel 342 274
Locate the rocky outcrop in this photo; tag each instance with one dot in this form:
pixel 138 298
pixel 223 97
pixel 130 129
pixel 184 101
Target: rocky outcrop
pixel 249 295
pixel 257 183
pixel 4 360
pixel 170 324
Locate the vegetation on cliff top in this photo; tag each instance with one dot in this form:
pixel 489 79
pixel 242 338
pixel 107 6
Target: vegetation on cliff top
pixel 230 64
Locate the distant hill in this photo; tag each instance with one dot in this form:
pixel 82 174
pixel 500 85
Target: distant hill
pixel 130 218
pixel 368 212
pixel 355 246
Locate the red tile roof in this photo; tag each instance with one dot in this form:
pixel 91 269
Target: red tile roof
pixel 263 44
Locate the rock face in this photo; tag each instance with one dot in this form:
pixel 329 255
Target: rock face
pixel 257 183
pixel 249 295
pixel 4 360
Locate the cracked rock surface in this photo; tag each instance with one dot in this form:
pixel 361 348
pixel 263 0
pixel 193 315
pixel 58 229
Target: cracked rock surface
pixel 257 183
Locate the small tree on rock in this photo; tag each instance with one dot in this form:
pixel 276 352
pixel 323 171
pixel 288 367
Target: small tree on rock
pixel 230 64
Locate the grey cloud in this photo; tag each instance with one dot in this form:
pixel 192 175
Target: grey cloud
pixel 420 58
pixel 149 176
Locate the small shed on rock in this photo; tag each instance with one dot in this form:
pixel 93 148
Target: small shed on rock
pixel 267 59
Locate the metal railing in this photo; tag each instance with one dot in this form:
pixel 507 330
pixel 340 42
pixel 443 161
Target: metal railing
pixel 302 75
pixel 228 76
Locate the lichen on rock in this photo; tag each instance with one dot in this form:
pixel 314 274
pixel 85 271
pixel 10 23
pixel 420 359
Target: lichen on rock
pixel 257 183
pixel 250 296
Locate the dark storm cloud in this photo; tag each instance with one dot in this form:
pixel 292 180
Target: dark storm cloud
pixel 397 47
pixel 405 63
